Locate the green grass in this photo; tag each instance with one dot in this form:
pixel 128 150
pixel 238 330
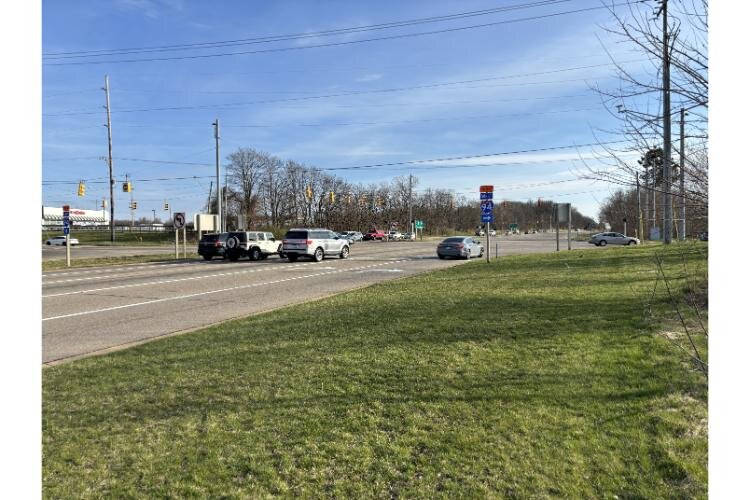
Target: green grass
pixel 531 377
pixel 52 265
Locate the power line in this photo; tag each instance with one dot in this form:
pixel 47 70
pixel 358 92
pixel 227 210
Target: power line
pixel 350 42
pixel 295 36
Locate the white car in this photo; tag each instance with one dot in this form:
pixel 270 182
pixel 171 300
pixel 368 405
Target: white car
pixel 60 241
pixel 395 235
pixel 604 239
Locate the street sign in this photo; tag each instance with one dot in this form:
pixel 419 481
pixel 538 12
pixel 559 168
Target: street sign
pixel 66 219
pixel 179 220
pixel 513 227
pixel 418 224
pixel 562 212
pixel 485 196
pixel 488 217
pixel 486 189
pixel 486 206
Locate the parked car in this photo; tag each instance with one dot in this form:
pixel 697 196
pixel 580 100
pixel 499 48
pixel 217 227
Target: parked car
pixel 703 236
pixel 314 243
pixel 604 239
pixel 60 241
pixel 479 232
pixel 354 236
pixel 346 236
pixel 464 247
pixel 395 235
pixel 213 245
pixel 410 236
pixel 493 232
pixel 255 245
pixel 374 234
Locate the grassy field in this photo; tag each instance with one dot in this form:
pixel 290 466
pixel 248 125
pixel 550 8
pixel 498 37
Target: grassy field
pixel 531 377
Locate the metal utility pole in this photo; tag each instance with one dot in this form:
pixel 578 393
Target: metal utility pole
pixel 109 162
pixel 667 153
pixel 154 211
pixel 681 228
pixel 210 190
pixel 411 218
pixel 639 229
pixel 218 178
pixel 132 213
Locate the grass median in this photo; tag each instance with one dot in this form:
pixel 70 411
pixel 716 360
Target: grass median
pixel 532 376
pixel 53 265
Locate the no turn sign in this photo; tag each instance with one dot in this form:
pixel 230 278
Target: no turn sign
pixel 179 220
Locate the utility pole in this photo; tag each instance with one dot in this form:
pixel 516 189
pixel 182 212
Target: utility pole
pixel 681 228
pixel 667 152
pixel 411 217
pixel 639 229
pixel 132 214
pixel 218 178
pixel 210 190
pixel 109 162
pixel 154 211
pixel 226 212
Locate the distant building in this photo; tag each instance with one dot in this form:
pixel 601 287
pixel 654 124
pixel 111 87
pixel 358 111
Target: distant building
pixel 53 216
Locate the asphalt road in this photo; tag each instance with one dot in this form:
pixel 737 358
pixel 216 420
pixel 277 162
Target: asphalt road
pixel 92 310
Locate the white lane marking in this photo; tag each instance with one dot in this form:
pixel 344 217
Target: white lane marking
pixel 253 285
pixel 140 274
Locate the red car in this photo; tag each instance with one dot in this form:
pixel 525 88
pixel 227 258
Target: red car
pixel 374 234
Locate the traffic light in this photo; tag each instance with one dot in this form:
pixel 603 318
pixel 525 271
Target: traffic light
pixel 166 206
pixel 332 197
pixel 104 203
pixel 308 193
pixel 127 187
pixel 133 205
pixel 81 188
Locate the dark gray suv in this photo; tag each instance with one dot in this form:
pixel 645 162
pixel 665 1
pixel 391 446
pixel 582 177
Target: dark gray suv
pixel 314 243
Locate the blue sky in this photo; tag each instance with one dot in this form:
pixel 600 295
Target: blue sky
pixel 473 97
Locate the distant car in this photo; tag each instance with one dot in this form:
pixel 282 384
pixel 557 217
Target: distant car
pixel 347 237
pixel 703 236
pixel 410 236
pixel 479 232
pixel 354 236
pixel 395 235
pixel 374 234
pixel 60 241
pixel 463 247
pixel 213 245
pixel 492 232
pixel 314 243
pixel 604 239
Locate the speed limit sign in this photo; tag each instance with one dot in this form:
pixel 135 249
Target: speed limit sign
pixel 179 220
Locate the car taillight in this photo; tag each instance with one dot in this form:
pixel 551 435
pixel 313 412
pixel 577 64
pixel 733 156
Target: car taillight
pixel 218 244
pixel 308 242
pixel 460 245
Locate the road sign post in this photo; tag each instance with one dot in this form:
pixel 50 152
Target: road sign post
pixel 66 232
pixel 178 222
pixel 487 206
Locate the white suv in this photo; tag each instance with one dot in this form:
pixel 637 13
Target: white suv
pixel 314 243
pixel 254 245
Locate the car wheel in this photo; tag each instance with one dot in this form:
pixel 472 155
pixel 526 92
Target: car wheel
pixel 441 256
pixel 344 252
pixel 208 257
pixel 49 243
pixel 603 243
pixel 318 256
pixel 631 242
pixel 233 243
pixel 254 253
pixel 292 257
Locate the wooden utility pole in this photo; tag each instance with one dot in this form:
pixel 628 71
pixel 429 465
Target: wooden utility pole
pixel 109 162
pixel 667 129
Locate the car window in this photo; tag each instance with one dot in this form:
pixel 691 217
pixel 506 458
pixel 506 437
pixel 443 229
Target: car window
pixel 453 240
pixel 296 235
pixel 619 235
pixel 209 238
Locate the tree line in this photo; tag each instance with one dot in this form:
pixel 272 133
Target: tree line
pixel 263 190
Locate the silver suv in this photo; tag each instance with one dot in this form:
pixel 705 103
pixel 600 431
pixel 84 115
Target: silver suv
pixel 255 245
pixel 314 243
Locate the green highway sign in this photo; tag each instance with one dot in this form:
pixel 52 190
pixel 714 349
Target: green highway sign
pixel 418 224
